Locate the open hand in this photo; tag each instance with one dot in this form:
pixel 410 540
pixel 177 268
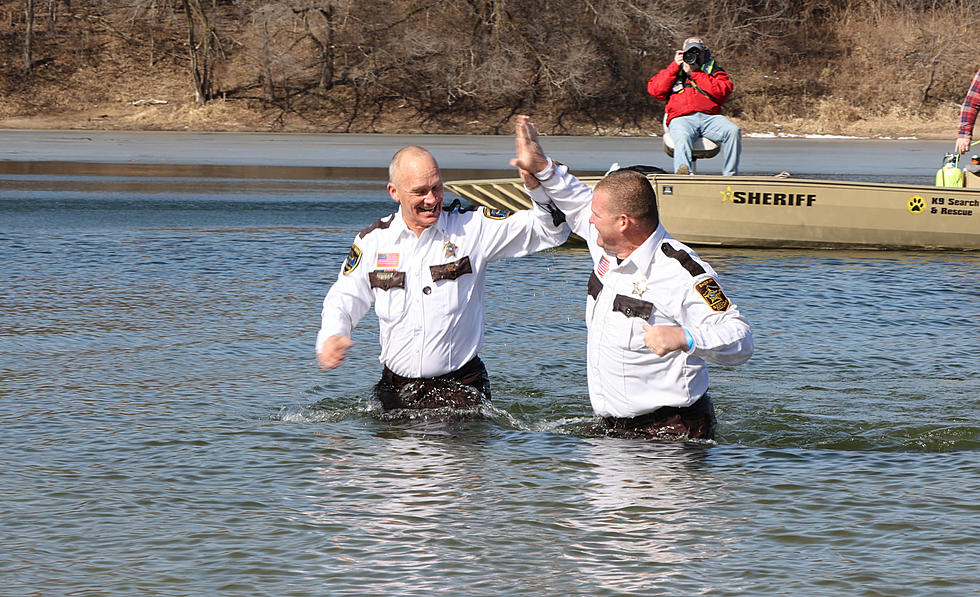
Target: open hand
pixel 530 156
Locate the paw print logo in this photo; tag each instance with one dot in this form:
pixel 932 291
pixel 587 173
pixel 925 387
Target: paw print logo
pixel 916 204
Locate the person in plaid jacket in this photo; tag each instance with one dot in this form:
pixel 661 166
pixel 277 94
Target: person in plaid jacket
pixel 968 115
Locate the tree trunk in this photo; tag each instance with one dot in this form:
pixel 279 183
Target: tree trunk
pixel 324 49
pixel 28 35
pixel 199 36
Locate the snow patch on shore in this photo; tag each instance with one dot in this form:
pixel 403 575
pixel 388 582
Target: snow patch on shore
pixel 817 136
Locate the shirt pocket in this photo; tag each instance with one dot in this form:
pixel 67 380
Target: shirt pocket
pixel 451 283
pixel 635 313
pixel 389 294
pixel 595 286
pixel 452 270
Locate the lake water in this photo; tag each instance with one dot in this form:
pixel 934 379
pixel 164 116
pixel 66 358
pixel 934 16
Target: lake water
pixel 165 429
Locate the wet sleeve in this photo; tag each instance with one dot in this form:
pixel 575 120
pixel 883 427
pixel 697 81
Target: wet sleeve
pixel 721 334
pixel 572 196
pixel 516 234
pixel 349 299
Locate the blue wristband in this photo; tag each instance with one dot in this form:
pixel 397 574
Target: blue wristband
pixel 690 339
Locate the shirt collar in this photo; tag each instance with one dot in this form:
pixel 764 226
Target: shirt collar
pixel 400 228
pixel 644 254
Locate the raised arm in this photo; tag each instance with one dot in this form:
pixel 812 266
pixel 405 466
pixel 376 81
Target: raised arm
pixel 548 182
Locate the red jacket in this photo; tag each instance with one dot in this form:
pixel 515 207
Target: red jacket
pixel 683 98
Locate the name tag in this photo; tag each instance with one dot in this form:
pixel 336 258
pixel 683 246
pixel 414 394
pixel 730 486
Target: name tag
pixel 386 280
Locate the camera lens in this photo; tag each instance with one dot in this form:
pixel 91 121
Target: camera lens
pixel 692 55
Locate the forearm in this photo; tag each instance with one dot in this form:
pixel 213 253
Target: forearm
pixel 333 323
pixel 547 225
pixel 660 84
pixel 718 85
pixel 342 309
pixel 572 196
pixel 727 341
pixel 968 118
pixel 523 232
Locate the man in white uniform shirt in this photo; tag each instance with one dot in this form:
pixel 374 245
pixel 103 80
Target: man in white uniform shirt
pixel 655 311
pixel 424 268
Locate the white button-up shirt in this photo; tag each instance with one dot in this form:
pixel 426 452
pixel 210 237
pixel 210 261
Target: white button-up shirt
pixel 428 290
pixel 662 282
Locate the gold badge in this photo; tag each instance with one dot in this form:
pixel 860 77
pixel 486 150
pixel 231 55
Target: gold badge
pixel 450 249
pixel 639 287
pixel 712 294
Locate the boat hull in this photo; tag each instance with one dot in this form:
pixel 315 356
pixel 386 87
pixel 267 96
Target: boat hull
pixel 746 211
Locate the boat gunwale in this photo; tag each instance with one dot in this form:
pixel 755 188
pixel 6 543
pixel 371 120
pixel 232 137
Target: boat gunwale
pixel 699 179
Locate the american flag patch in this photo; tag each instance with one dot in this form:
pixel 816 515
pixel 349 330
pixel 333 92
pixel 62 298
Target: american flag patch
pixel 603 266
pixel 387 260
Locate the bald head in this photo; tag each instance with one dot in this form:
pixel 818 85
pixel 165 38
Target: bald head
pixel 410 155
pixel 414 181
pixel 631 193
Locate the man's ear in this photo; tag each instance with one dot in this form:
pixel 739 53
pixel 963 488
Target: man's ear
pixel 623 222
pixel 392 192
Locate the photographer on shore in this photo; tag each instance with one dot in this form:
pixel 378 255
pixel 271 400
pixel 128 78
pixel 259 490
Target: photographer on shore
pixel 695 87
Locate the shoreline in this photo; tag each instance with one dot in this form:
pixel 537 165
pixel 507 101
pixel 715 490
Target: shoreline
pixel 760 155
pixel 229 116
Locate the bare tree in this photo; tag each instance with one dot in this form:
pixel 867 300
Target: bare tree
pixel 318 20
pixel 28 35
pixel 202 47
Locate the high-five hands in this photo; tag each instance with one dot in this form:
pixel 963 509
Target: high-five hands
pixel 530 157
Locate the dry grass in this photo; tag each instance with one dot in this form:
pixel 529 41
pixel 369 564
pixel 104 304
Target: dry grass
pixel 880 72
pixel 831 117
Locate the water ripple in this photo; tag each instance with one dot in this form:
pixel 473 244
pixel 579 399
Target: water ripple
pixel 166 429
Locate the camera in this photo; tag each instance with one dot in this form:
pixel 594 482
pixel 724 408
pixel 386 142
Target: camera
pixel 694 56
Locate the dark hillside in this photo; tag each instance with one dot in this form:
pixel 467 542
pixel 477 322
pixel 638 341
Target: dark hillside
pixel 876 67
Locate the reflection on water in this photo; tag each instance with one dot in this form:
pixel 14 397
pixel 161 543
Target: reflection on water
pixel 166 429
pixel 638 517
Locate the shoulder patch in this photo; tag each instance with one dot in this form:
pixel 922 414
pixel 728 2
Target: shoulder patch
pixel 497 214
pixel 379 224
pixel 693 267
pixel 712 294
pixel 353 259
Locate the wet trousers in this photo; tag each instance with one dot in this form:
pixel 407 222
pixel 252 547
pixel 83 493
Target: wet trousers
pixel 466 387
pixel 696 421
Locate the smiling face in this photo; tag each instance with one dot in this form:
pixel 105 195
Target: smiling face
pixel 416 184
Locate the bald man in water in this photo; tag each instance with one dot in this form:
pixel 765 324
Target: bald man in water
pixel 424 268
